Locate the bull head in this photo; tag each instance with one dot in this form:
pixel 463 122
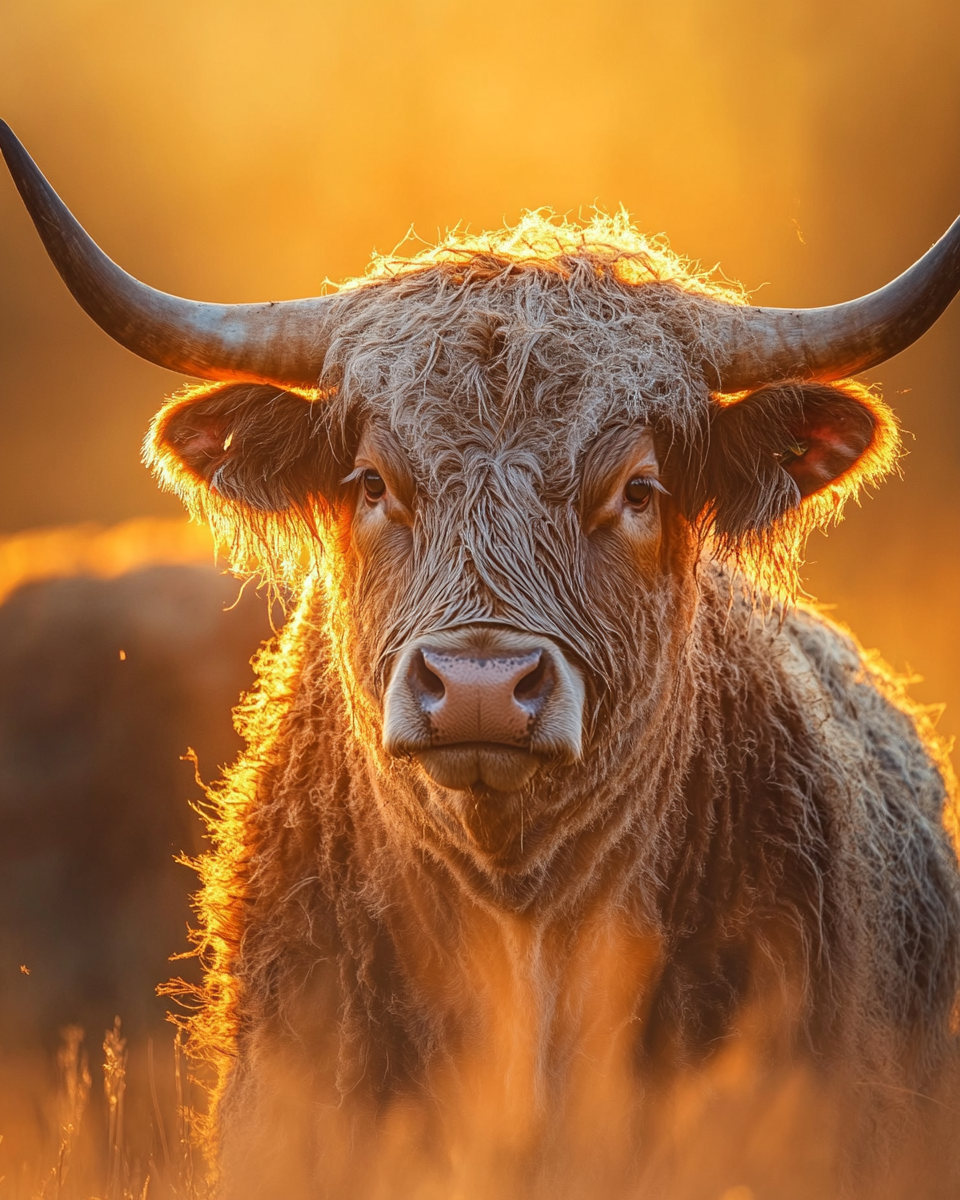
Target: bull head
pixel 491 668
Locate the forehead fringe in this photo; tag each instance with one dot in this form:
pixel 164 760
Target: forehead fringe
pixel 543 239
pixel 549 328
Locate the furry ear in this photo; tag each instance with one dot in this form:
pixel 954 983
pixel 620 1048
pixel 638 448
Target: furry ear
pixel 257 447
pixel 789 447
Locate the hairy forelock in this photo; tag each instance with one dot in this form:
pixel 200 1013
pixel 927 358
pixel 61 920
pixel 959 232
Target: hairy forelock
pixel 484 345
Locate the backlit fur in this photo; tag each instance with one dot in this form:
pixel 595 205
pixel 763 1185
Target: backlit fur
pixel 757 823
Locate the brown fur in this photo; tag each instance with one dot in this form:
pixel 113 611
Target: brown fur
pixel 750 859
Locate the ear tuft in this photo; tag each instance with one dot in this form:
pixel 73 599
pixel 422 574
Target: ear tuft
pixel 783 461
pixel 826 441
pixel 793 446
pixel 260 464
pixel 258 447
pixel 201 442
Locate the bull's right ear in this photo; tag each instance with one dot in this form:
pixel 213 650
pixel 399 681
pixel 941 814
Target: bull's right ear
pixel 258 448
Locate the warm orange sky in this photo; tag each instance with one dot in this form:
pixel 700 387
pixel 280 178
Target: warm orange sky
pixel 244 150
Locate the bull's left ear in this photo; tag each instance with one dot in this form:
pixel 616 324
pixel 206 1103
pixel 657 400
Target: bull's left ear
pixel 245 448
pixel 785 446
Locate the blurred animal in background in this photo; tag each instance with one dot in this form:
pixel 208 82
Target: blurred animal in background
pixel 567 856
pixel 120 650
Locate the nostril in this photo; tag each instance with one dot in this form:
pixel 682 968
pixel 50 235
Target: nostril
pixel 425 684
pixel 533 689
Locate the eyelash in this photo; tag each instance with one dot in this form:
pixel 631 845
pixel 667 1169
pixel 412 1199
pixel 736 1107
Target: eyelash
pixel 649 487
pixel 374 485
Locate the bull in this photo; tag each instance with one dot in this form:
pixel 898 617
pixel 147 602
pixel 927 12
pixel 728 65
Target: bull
pixel 568 857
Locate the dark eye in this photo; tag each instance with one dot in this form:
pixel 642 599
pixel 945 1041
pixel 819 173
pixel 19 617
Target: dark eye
pixel 373 485
pixel 638 492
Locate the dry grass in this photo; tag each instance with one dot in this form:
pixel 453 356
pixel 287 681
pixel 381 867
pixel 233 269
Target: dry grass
pixel 78 1142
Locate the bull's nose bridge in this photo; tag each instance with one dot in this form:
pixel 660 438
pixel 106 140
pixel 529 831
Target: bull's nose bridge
pixel 469 697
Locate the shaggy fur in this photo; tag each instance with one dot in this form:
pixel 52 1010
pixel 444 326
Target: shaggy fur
pixel 751 857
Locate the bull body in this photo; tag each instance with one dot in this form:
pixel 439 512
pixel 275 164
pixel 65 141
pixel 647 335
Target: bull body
pixel 444 966
pixel 734 970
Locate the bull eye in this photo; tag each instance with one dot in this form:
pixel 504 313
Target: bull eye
pixel 638 493
pixel 373 485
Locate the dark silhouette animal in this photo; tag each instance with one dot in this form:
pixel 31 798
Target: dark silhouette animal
pixel 94 810
pixel 568 857
pixel 93 787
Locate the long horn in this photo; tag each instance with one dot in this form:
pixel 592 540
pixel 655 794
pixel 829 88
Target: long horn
pixel 763 345
pixel 280 343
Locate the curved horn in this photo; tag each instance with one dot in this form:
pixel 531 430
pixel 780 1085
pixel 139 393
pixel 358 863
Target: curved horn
pixel 280 343
pixel 763 345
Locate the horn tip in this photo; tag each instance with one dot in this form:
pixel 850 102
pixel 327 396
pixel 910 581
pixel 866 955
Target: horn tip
pixel 11 147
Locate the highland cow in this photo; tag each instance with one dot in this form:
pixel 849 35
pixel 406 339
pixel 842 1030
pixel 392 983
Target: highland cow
pixel 93 789
pixel 93 783
pixel 568 857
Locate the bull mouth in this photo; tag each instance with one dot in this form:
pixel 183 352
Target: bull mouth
pixel 466 766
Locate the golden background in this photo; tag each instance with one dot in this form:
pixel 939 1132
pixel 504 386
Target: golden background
pixel 247 150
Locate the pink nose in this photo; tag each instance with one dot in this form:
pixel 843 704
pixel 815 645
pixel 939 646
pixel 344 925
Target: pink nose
pixel 474 699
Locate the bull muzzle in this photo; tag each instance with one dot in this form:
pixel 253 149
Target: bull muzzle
pixel 484 707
